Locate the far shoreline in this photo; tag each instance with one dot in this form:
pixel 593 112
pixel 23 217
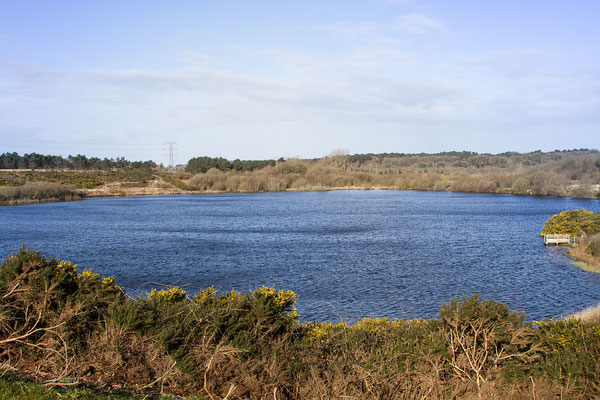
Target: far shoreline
pixel 101 193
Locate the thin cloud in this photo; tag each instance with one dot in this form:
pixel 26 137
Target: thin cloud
pixel 385 32
pixel 359 60
pixel 397 2
pixel 196 58
pixel 367 89
pixel 354 30
pixel 419 24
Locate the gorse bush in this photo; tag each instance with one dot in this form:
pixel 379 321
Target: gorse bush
pixel 574 222
pixel 485 336
pixel 248 322
pixel 67 323
pixel 46 300
pixel 572 351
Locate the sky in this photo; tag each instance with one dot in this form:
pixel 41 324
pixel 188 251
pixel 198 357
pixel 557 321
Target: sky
pixel 269 79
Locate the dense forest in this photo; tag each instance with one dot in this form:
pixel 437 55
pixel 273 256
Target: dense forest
pixel 203 164
pixel 78 162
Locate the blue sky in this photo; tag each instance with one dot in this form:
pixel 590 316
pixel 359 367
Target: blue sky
pixel 266 79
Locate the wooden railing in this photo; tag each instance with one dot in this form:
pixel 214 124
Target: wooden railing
pixel 551 238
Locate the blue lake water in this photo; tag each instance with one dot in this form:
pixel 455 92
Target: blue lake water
pixel 347 254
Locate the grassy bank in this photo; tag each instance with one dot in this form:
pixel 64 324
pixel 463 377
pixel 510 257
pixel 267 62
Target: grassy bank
pixel 21 387
pixel 59 323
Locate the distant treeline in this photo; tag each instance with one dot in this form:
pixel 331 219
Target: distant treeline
pixel 203 164
pixel 573 173
pixel 78 162
pixel 467 159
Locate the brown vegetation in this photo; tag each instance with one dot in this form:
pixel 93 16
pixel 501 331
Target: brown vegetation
pixel 575 173
pixel 588 252
pixel 589 314
pixel 38 191
pixel 61 325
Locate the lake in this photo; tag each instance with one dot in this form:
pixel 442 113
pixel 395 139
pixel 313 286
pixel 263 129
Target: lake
pixel 347 254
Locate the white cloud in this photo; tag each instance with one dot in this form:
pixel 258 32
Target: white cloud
pixel 354 30
pixel 196 58
pixel 391 34
pixel 361 59
pixel 371 92
pixel 418 24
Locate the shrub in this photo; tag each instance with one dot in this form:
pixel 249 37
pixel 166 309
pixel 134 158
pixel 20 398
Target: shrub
pixel 572 350
pixel 48 306
pixel 176 182
pixel 38 191
pixel 484 336
pixel 521 186
pixel 291 166
pixel 248 322
pixel 574 222
pixel 56 320
pixel 583 191
pixel 593 245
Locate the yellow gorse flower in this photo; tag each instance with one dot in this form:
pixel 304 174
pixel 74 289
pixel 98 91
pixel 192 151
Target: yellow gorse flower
pixel 283 298
pixel 371 326
pixel 65 266
pixel 87 274
pixel 172 294
pixel 206 296
pixel 108 280
pixel 567 335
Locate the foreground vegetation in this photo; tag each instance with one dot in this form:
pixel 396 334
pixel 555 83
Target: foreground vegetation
pixel 20 387
pixel 67 326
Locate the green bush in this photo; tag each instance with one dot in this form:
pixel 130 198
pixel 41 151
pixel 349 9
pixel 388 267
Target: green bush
pixel 44 298
pixel 246 321
pixel 521 186
pixel 571 352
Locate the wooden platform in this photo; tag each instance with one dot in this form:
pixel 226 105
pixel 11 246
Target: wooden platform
pixel 559 239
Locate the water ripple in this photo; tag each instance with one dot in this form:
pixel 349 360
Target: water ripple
pixel 347 254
